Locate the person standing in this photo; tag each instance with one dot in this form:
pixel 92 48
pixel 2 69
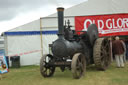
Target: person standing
pixel 118 50
pixel 124 56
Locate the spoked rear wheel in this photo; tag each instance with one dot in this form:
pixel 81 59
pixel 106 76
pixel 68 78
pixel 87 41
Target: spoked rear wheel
pixel 102 53
pixel 45 69
pixel 78 65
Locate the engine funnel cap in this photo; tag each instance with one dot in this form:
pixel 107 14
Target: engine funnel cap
pixel 60 9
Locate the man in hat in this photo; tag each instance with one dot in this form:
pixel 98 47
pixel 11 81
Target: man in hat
pixel 118 50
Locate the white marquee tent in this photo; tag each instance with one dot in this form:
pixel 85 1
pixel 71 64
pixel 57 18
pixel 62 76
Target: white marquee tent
pixel 27 41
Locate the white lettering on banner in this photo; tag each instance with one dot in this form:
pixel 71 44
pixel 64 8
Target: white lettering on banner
pixel 120 20
pixel 125 22
pixel 85 24
pixel 100 24
pixel 113 22
pixel 109 24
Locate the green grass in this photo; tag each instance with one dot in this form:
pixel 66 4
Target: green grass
pixel 30 75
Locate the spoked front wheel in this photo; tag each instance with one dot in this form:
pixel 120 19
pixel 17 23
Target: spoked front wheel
pixel 45 69
pixel 78 65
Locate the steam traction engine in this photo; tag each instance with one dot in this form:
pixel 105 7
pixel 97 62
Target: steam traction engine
pixel 75 51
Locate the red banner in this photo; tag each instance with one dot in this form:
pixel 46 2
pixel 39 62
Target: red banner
pixel 108 25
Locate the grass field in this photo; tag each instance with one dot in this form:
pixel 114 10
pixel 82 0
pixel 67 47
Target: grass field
pixel 30 75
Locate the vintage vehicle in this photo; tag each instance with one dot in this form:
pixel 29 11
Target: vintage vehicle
pixel 75 51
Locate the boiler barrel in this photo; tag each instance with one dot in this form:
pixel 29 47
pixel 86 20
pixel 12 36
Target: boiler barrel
pixel 64 48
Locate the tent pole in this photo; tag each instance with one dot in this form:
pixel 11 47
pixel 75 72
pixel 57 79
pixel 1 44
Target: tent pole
pixel 6 44
pixel 41 37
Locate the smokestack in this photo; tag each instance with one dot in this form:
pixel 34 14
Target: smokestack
pixel 60 11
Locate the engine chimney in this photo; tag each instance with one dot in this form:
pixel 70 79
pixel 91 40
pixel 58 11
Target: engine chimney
pixel 60 22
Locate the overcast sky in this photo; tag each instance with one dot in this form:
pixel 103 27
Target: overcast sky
pixel 14 13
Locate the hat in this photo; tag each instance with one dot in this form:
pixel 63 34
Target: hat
pixel 117 38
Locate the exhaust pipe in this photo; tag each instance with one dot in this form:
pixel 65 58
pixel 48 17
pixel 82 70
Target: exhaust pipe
pixel 60 11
